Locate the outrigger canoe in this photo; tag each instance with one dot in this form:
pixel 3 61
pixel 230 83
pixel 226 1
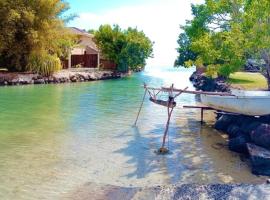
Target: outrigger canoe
pixel 252 103
pixel 163 103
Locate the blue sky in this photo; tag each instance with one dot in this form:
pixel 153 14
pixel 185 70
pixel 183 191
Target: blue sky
pixel 159 19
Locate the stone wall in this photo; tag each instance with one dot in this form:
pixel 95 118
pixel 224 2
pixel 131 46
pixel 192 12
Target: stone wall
pixel 64 76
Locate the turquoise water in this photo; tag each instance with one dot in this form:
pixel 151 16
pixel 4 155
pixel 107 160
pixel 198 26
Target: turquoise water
pixel 56 138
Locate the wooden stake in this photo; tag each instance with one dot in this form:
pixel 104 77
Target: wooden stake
pixel 145 90
pixel 167 127
pixel 164 150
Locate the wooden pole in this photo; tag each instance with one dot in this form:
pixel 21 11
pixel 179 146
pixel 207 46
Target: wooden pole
pixel 167 128
pixel 164 89
pixel 164 150
pixel 145 90
pixel 202 115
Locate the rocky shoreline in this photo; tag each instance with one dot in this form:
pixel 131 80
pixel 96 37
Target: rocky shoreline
pixel 204 83
pixel 249 136
pixel 173 192
pixel 63 76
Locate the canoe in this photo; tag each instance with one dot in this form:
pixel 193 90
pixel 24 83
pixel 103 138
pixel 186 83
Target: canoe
pixel 252 103
pixel 163 103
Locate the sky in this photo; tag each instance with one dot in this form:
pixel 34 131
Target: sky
pixel 159 19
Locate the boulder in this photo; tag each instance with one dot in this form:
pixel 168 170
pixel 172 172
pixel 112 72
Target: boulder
pixel 265 119
pixel 223 122
pixel 249 126
pixel 260 159
pixel 261 135
pixel 39 81
pixel 234 131
pixel 239 144
pixel 253 65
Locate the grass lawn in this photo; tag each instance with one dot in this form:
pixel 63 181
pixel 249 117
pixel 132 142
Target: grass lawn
pixel 248 81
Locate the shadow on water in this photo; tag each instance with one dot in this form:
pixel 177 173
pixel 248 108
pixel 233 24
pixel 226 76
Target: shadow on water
pixel 139 152
pixel 178 164
pixel 192 159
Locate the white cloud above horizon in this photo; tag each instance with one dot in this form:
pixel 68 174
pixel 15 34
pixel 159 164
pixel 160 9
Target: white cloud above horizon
pixel 160 21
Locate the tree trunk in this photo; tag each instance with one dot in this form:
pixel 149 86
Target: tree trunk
pixel 266 58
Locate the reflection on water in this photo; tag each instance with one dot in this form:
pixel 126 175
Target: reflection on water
pixel 56 138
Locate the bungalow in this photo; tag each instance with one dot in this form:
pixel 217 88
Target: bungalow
pixel 86 54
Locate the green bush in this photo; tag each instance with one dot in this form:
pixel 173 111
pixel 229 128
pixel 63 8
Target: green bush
pixel 225 71
pixel 44 64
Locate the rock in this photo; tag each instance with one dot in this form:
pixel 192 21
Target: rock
pixel 64 76
pixel 248 128
pixel 223 122
pixel 234 131
pixel 265 119
pixel 238 144
pixel 253 65
pixel 261 135
pixel 39 81
pixel 73 78
pixel 204 83
pixel 260 159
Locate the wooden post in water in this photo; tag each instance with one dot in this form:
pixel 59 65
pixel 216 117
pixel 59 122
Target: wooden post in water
pixel 164 150
pixel 145 90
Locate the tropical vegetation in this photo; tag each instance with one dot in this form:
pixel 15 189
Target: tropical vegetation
pixel 33 36
pixel 225 33
pixel 128 48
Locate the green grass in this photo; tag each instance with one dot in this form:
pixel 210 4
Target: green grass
pixel 248 81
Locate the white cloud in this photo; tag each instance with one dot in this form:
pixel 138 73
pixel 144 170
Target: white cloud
pixel 159 20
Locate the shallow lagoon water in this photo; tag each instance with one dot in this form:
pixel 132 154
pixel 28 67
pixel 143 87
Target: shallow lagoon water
pixel 57 138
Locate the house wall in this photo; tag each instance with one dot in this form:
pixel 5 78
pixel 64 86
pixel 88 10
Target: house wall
pixel 78 51
pixel 86 40
pixel 85 53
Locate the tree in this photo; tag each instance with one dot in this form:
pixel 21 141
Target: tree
pixel 256 27
pixel 214 37
pixel 129 48
pixel 32 29
pixel 184 50
pixel 225 33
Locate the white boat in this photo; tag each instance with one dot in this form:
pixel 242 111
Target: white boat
pixel 252 103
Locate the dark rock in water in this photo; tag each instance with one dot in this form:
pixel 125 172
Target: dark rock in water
pixel 243 120
pixel 250 126
pixel 260 159
pixel 239 144
pixel 223 122
pixel 234 131
pixel 204 83
pixel 261 135
pixel 39 81
pixel 265 119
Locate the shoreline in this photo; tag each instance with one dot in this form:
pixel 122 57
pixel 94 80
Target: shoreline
pixel 247 135
pixel 63 76
pixel 181 191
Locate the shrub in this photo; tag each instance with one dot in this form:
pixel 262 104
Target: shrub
pixel 44 64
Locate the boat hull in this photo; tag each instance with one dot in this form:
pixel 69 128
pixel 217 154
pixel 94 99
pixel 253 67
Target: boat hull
pixel 246 105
